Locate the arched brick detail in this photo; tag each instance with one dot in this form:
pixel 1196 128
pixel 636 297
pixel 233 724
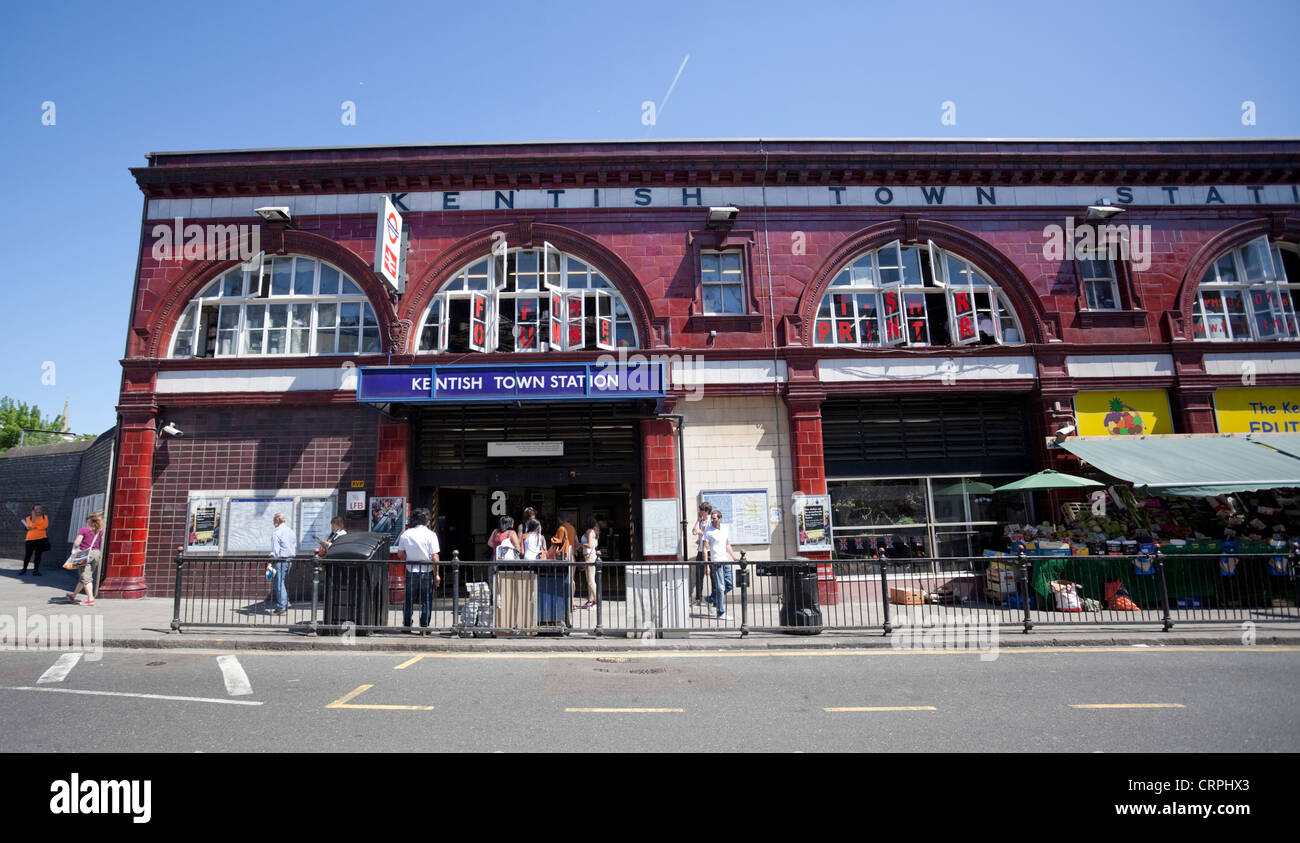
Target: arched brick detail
pixel 1004 273
pixel 530 235
pixel 1010 280
pixel 198 274
pixel 1216 246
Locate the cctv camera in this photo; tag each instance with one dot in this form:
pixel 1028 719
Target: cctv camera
pixel 172 430
pixel 1065 430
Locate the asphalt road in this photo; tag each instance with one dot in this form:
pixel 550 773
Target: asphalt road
pixel 1214 699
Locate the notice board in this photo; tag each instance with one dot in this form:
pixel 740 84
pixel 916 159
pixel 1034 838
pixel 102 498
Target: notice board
pixel 744 513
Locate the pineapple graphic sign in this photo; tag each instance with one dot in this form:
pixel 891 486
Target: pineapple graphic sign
pixel 1123 413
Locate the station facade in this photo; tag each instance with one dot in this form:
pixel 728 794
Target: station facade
pixel 621 330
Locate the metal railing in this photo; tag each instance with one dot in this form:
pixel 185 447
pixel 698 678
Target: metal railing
pixel 640 599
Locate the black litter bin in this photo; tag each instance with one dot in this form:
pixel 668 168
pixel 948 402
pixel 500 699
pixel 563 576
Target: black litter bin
pixel 801 612
pixel 356 580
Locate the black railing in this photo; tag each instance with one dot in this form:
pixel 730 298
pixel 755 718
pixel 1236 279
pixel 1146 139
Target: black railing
pixel 640 599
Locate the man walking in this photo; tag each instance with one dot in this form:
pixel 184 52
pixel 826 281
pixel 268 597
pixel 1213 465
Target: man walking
pixel 284 546
pixel 718 542
pixel 418 546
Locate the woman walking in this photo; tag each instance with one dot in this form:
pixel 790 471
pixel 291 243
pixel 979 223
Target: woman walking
pixel 37 525
pixel 90 540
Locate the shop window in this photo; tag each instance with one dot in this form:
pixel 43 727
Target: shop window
pixel 293 305
pixel 913 296
pixel 1249 294
pixel 939 516
pixel 543 300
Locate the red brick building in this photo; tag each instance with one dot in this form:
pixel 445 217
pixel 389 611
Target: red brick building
pixel 889 320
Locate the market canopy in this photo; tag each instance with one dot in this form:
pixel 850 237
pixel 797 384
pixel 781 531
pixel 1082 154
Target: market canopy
pixel 1192 467
pixel 1049 479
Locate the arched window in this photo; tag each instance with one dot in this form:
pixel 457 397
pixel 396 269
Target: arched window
pixel 293 305
pixel 1249 293
pixel 503 302
pixel 913 296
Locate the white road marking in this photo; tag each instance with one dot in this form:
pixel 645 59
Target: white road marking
pixel 136 696
pixel 237 684
pixel 60 669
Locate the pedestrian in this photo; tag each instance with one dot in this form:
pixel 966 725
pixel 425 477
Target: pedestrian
pixel 534 543
pixel 37 524
pixel 284 546
pixel 718 541
pixel 565 540
pixel 504 542
pixel 336 525
pixel 418 547
pixel 90 545
pixel 590 545
pixel 701 524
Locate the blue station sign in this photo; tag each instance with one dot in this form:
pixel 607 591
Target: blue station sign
pixel 521 382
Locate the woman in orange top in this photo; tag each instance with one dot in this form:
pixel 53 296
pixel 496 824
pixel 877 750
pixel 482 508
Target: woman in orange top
pixel 37 543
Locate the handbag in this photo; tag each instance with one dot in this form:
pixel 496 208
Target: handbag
pixel 95 554
pixel 77 559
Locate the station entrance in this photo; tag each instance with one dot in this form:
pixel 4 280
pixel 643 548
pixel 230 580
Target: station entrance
pixel 474 463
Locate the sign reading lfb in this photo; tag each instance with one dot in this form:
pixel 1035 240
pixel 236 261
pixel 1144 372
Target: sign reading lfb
pixel 526 382
pixel 388 245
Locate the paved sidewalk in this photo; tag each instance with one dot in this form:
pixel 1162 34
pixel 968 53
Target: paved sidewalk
pixel 147 623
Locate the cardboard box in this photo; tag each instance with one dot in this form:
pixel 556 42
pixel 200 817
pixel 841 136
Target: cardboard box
pixel 906 596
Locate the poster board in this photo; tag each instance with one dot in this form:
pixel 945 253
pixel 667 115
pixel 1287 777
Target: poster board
pixel 388 516
pixel 314 516
pixel 745 513
pixel 660 527
pixel 203 526
pixel 813 520
pixel 248 521
pixel 82 507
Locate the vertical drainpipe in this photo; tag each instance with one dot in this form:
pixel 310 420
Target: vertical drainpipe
pixel 776 376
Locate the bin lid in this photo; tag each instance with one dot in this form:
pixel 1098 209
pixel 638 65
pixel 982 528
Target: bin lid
pixel 359 546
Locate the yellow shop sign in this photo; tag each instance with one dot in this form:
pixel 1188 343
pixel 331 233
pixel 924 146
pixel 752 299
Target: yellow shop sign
pixel 1258 410
pixel 1130 412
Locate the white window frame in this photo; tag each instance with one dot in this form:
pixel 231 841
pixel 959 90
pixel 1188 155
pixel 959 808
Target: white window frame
pixel 862 276
pixel 718 271
pixel 1270 281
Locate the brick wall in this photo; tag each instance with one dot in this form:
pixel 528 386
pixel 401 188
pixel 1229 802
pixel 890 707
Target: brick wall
pixel 255 448
pixel 731 443
pixel 45 475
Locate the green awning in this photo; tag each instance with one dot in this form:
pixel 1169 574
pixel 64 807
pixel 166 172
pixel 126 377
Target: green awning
pixel 1192 467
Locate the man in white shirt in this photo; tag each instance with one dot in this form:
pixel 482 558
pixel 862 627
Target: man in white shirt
pixel 718 542
pixel 418 546
pixel 284 546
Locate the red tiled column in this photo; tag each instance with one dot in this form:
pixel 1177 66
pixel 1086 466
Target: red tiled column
pixel 805 409
pixel 658 469
pixel 128 522
pixel 393 479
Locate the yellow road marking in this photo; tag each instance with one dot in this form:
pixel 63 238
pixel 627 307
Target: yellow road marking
pixel 888 708
pixel 715 654
pixel 625 710
pixel 404 665
pixel 1131 705
pixel 342 702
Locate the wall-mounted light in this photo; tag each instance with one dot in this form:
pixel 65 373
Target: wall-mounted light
pixel 722 217
pixel 1101 211
pixel 274 213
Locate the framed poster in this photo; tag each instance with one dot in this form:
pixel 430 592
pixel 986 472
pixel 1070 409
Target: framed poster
pixel 388 515
pixel 661 528
pixel 745 513
pixel 203 527
pixel 813 518
pixel 314 516
pixel 249 523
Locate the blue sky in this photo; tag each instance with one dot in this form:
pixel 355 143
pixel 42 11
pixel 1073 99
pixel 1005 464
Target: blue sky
pixel 130 78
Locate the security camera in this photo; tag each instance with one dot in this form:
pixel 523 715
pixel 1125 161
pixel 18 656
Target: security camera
pixel 274 213
pixel 173 430
pixel 1065 430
